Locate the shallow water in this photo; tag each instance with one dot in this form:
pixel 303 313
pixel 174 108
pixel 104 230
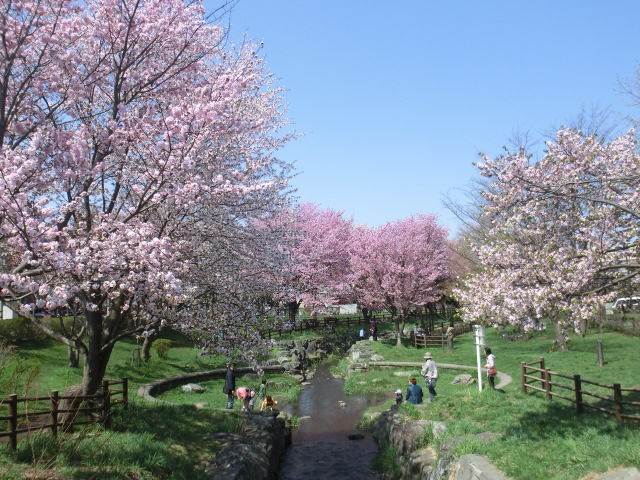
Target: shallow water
pixel 321 447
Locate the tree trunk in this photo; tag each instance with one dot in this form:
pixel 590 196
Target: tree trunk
pixel 561 340
pixel 73 357
pixel 432 316
pixel 400 329
pixel 293 308
pixel 96 355
pixel 396 320
pixel 145 352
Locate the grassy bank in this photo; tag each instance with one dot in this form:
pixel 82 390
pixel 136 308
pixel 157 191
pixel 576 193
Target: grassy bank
pixel 537 438
pixel 147 441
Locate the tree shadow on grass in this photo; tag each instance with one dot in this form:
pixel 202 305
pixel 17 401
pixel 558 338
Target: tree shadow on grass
pixel 562 420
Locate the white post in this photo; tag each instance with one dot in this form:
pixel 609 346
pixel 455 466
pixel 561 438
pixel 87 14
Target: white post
pixel 478 332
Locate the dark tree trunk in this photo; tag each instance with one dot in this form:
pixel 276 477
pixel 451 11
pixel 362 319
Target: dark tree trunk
pixel 293 308
pixel 73 357
pixel 432 316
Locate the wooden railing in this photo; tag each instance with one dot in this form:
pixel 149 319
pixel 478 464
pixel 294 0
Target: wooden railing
pixel 432 341
pixel 35 414
pixel 613 399
pixel 326 323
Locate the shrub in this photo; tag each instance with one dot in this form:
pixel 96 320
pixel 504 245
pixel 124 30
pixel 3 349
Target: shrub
pixel 19 329
pixel 162 346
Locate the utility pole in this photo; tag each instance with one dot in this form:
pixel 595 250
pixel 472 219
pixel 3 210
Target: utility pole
pixel 479 341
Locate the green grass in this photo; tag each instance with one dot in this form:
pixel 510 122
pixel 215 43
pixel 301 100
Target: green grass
pixel 538 438
pixel 284 388
pixel 146 442
pixel 50 358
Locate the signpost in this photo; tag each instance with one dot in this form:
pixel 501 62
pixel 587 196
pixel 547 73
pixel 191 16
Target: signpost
pixel 479 341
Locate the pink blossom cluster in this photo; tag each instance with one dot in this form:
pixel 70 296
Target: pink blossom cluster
pixel 564 235
pixel 400 266
pixel 136 151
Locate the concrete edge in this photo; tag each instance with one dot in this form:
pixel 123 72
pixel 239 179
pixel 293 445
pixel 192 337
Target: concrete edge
pixel 149 390
pixel 503 378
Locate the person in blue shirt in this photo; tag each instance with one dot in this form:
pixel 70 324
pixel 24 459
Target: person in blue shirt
pixel 414 392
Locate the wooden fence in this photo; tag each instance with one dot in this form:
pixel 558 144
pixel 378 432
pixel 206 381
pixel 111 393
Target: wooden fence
pixel 432 341
pixel 612 399
pixel 38 414
pixel 326 323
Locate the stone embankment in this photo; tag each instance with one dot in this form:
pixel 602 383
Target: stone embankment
pixel 257 450
pixel 254 453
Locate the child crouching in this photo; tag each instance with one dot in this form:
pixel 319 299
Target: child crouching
pixel 268 402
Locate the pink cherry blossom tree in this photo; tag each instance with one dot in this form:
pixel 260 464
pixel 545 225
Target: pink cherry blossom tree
pixel 318 259
pixel 400 266
pixel 134 147
pixel 564 235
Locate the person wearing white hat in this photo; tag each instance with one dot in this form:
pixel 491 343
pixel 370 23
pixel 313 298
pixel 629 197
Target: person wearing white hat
pixel 430 373
pixel 398 397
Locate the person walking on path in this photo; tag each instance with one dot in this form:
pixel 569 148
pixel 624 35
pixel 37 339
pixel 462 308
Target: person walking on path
pixel 230 385
pixel 491 367
pixel 414 392
pixel 430 373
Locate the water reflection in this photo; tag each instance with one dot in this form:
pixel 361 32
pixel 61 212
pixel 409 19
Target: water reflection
pixel 321 447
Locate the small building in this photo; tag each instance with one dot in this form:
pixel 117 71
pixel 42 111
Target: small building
pixel 6 313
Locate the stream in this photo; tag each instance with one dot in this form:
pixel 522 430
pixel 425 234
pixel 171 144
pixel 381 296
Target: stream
pixel 321 447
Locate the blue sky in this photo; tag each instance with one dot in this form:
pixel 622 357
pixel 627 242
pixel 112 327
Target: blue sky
pixel 398 98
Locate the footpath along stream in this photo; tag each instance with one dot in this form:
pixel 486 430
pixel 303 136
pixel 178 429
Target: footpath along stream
pixel 321 446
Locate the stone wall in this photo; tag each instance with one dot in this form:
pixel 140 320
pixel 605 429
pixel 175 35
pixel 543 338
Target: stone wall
pixel 419 460
pixel 254 453
pixel 257 450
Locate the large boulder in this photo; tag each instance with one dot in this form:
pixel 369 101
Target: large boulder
pixel 192 388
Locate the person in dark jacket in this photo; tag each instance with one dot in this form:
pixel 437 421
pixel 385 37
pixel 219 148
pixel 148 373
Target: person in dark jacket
pixel 230 385
pixel 414 392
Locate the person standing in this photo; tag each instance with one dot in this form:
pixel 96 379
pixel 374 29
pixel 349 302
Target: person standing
pixel 491 367
pixel 430 373
pixel 414 392
pixel 230 385
pixel 262 392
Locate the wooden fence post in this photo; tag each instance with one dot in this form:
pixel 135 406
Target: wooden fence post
pixel 125 392
pixel 547 383
pixel 12 424
pixel 578 386
pixel 542 369
pixel 106 405
pixel 600 354
pixel 617 397
pixel 523 373
pixel 54 402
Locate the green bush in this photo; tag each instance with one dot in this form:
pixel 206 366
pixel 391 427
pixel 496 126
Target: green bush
pixel 19 329
pixel 162 346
